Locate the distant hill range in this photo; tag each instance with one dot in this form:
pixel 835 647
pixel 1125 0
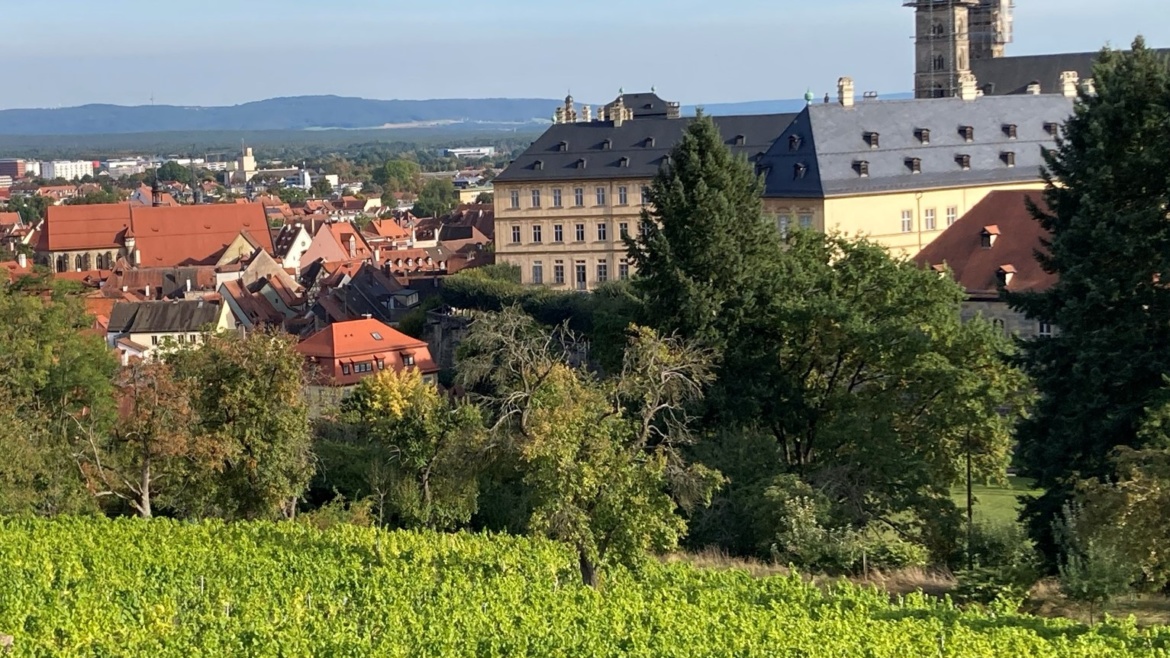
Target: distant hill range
pixel 314 113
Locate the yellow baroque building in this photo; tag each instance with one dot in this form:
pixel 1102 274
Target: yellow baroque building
pixel 898 172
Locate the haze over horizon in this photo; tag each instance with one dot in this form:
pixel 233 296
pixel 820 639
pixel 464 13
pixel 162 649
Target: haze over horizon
pixel 130 52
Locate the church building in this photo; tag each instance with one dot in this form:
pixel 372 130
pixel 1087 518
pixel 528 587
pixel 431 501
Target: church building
pixel 960 49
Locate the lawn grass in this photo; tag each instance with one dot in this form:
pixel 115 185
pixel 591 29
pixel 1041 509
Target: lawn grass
pixel 996 503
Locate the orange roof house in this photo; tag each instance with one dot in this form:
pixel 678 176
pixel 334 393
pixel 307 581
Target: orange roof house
pixel 344 352
pixel 337 241
pixel 153 237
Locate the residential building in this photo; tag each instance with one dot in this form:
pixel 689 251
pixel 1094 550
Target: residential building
pixel 95 236
pixel 899 171
pixel 13 168
pixel 289 243
pixel 563 205
pixel 143 329
pixel 992 248
pixel 337 242
pixel 342 354
pixel 961 44
pixel 69 170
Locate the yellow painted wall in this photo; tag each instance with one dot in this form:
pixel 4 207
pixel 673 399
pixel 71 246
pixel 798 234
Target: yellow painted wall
pixel 879 216
pixel 570 251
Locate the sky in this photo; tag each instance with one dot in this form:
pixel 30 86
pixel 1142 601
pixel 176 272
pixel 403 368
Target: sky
pixel 60 53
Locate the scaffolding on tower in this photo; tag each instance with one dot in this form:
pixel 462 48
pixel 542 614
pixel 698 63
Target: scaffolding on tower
pixel 991 28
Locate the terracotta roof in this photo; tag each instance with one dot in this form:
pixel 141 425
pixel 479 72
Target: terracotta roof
pixel 167 281
pixel 362 338
pixel 387 228
pixel 166 237
pixel 1018 238
pixel 12 269
pixel 255 306
pixel 8 219
pixel 342 232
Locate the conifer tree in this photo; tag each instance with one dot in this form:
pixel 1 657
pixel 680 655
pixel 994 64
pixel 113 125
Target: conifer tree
pixel 1107 195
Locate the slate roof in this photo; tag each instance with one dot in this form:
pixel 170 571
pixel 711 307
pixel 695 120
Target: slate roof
pixel 162 317
pixel 1018 237
pixel 646 105
pixel 1011 75
pixel 830 141
pixel 642 143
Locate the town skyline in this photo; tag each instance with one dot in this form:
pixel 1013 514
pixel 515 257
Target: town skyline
pixel 364 49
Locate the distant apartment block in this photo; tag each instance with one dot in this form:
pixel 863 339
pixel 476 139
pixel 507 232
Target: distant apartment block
pixel 12 168
pixel 472 152
pixel 67 169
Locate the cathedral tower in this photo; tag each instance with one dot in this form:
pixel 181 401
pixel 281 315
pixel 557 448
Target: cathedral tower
pixel 942 46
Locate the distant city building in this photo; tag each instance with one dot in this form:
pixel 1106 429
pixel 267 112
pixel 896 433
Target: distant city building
pixel 67 169
pixel 32 169
pixel 5 182
pixel 472 152
pixel 12 167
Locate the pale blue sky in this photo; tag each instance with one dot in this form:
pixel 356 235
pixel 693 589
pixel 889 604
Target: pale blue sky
pixel 216 52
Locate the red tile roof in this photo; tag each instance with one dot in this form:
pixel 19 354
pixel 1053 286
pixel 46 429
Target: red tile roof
pixel 1018 238
pixel 342 342
pixel 166 237
pixel 9 219
pixel 387 228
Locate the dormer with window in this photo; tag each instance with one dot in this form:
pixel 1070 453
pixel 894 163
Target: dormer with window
pixel 873 139
pixel 964 161
pixel 739 140
pixel 563 147
pixel 967 133
pixel 1052 128
pixel 1009 158
pixel 861 167
pixel 799 170
pixel 794 142
pixel 581 163
pixel 538 165
pixel 1010 131
pixel 923 135
pixel 988 236
pixel 1004 275
pixel 914 165
pixel 623 162
pixel 648 143
pixel 607 145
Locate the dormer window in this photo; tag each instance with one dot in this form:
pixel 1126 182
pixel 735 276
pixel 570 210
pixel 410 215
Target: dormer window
pixel 538 165
pixel 648 142
pixel 799 170
pixel 794 142
pixel 563 146
pixel 763 170
pixel 968 133
pixel 666 160
pixel 1009 158
pixel 581 163
pixel 623 162
pixel 914 165
pixel 923 135
pixel 1052 128
pixel 873 139
pixel 1009 130
pixel 861 167
pixel 964 161
pixel 739 140
pixel 1005 274
pixel 988 236
pixel 607 145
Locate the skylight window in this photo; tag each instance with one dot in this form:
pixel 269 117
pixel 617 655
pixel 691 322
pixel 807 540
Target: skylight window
pixel 376 335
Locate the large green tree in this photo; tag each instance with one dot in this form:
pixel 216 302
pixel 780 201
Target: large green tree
pixel 251 407
pixel 601 459
pixel 437 198
pixel 421 451
pixel 855 363
pixel 397 175
pixel 1107 195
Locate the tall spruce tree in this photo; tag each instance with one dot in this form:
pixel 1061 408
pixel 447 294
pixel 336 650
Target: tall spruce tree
pixel 1107 196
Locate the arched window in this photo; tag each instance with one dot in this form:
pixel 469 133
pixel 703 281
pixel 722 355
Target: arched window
pixel 77 262
pixel 109 261
pixel 939 63
pixel 62 263
pixel 938 29
pixel 86 262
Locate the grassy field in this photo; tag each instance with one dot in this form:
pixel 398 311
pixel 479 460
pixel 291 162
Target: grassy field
pixel 996 503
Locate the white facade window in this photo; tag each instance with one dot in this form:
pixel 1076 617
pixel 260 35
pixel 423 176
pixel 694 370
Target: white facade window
pixel 579 196
pixel 537 272
pixel 645 196
pixel 557 198
pixel 515 199
pixel 601 196
pixel 624 269
pixel 930 220
pixel 559 272
pixel 602 271
pixel 515 235
pixel 602 232
pixel 952 215
pixel 535 198
pixel 782 223
pixel 537 234
pixel 580 232
pixel 623 196
pixel 558 233
pixel 907 221
pixel 1044 330
pixel 805 221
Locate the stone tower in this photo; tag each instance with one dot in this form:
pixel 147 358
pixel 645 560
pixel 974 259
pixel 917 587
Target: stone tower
pixel 942 46
pixel 991 28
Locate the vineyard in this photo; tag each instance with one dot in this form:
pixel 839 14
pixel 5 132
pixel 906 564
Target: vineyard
pixel 77 587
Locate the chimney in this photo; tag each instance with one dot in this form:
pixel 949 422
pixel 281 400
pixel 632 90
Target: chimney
pixel 845 92
pixel 586 114
pixel 155 193
pixel 968 88
pixel 1069 83
pixel 137 257
pixel 559 115
pixel 125 288
pixel 188 285
pixel 22 261
pixel 146 292
pixel 1034 88
pixel 377 255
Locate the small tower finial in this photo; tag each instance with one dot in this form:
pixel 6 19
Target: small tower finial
pixel 808 97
